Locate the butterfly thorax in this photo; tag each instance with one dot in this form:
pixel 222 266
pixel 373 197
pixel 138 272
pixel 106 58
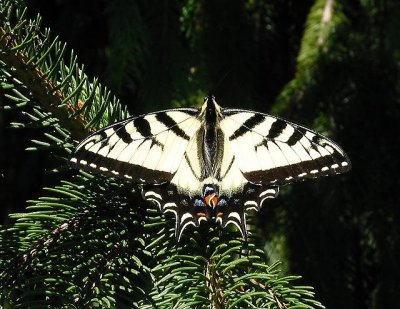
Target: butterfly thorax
pixel 211 138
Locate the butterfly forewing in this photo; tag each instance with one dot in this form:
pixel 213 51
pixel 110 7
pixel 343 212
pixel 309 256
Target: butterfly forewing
pixel 270 150
pixel 145 149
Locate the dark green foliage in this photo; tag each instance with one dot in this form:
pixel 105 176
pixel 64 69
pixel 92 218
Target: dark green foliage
pixel 77 248
pixel 86 241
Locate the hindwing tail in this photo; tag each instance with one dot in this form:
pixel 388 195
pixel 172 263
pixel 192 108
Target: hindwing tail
pixel 169 200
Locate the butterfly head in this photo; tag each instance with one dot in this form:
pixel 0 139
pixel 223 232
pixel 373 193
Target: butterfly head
pixel 209 98
pixel 210 105
pixel 210 111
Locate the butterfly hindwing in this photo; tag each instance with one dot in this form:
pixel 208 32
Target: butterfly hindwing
pixel 255 195
pixel 270 150
pixel 168 199
pixel 144 149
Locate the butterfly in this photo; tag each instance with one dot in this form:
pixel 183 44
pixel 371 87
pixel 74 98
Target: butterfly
pixel 210 163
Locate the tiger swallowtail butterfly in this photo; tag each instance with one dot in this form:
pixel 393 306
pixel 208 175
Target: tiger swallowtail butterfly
pixel 209 163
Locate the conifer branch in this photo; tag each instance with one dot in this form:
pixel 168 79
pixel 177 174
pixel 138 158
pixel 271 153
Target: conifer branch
pixel 280 303
pixel 216 295
pixel 42 88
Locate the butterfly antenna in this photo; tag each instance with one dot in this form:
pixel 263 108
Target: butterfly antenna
pixel 213 90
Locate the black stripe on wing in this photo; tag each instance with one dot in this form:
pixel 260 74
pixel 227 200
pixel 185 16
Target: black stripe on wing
pixel 249 123
pixel 121 132
pixel 170 123
pixel 143 126
pixel 276 129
